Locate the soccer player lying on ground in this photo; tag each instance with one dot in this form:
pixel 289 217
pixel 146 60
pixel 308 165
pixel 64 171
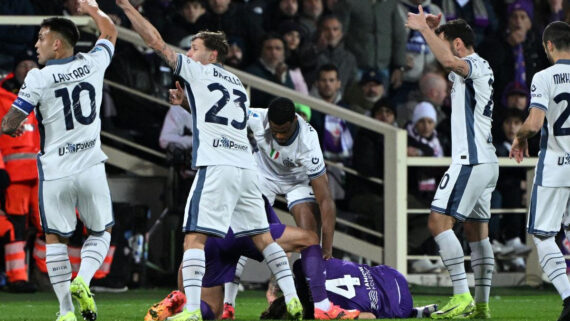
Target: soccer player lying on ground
pixel 379 292
pixel 222 256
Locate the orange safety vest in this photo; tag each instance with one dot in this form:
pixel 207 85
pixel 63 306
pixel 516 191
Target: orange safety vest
pixel 19 153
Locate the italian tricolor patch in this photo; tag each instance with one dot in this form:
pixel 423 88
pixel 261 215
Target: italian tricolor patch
pixel 274 154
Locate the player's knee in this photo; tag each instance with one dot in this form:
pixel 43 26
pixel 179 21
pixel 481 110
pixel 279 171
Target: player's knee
pixel 194 241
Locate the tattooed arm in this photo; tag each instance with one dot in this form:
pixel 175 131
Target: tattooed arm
pixel 148 33
pixel 103 22
pixel 12 122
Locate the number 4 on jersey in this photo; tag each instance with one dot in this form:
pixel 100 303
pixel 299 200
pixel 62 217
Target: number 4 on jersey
pixel 343 286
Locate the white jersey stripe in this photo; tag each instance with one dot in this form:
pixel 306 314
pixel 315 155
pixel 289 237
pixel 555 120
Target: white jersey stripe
pixel 539 106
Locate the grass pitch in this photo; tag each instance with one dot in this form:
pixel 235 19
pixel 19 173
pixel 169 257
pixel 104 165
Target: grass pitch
pixel 516 304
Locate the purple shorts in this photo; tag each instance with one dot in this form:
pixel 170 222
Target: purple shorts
pixel 222 255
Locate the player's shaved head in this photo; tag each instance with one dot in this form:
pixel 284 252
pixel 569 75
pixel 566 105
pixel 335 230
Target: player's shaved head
pixel 281 110
pixel 63 27
pixel 558 33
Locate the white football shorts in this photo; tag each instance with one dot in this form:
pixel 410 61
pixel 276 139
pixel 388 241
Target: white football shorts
pixel 295 194
pixel 464 192
pixel 547 207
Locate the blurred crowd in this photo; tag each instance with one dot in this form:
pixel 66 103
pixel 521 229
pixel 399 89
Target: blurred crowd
pixel 356 54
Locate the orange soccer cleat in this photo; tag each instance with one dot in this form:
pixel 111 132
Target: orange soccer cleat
pixel 229 312
pixel 336 313
pixel 171 305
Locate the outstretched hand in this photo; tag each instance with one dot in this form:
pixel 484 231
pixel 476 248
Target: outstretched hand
pixel 417 21
pixel 433 20
pixel 176 96
pixel 86 5
pixel 519 149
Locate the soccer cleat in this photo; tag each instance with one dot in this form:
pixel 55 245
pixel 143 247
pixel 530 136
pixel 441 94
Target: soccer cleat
pixel 423 312
pixel 69 316
pixel 295 309
pixel 482 311
pixel 565 314
pixel 169 306
pixel 80 292
pixel 336 313
pixel 229 312
pixel 460 306
pixel 186 315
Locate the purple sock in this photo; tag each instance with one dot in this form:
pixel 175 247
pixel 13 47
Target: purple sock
pixel 207 313
pixel 314 268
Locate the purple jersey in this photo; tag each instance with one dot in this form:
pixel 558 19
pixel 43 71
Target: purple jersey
pixel 380 290
pixel 222 255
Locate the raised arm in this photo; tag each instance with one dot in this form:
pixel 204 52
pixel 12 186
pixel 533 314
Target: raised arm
pixel 102 20
pixel 438 46
pixel 148 33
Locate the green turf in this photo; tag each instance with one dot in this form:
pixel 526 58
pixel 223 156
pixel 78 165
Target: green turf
pixel 506 304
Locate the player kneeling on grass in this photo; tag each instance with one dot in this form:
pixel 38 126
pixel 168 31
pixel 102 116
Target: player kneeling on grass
pixel 379 292
pixel 222 257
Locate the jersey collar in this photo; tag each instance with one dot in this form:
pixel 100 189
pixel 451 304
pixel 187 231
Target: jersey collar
pixel 60 61
pixel 563 61
pixel 293 137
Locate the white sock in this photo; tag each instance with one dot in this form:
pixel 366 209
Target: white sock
pixel 483 263
pixel 324 305
pixel 231 288
pixel 93 255
pixel 193 269
pixel 278 263
pixel 553 264
pixel 452 255
pixel 59 271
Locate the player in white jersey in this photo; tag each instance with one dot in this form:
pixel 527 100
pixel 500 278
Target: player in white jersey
pixel 464 193
pixel 291 163
pixel 66 95
pixel 225 191
pixel 550 98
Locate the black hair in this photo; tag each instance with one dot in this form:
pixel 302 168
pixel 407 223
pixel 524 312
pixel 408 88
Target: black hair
pixel 215 40
pixel 281 110
pixel 458 28
pixel 65 27
pixel 277 310
pixel 326 68
pixel 179 4
pixel 383 102
pixel 558 33
pixel 329 16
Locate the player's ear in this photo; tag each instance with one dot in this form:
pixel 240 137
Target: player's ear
pixel 214 56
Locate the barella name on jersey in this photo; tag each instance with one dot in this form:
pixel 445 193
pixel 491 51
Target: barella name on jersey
pixel 74 148
pixel 74 75
pixel 227 143
pixel 227 78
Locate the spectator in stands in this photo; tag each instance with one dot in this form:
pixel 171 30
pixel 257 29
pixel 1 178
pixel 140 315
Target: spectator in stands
pixel 479 14
pixel 280 11
pixel 433 89
pixel 366 197
pixel 517 53
pixel 516 96
pixel 334 132
pixel 270 66
pixel 292 36
pixel 370 89
pixel 189 18
pixel 511 188
pixel 24 62
pixel 310 14
pixel 14 38
pixel 235 53
pixel 419 57
pixel 375 35
pixel 328 48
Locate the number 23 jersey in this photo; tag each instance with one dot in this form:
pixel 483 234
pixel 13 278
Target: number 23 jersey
pixel 67 96
pixel 550 91
pixel 219 106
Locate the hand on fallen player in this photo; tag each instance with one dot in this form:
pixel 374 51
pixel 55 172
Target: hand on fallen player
pixel 85 5
pixel 417 21
pixel 176 96
pixel 327 253
pixel 519 149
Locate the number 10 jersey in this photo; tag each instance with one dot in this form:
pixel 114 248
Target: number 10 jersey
pixel 219 106
pixel 67 96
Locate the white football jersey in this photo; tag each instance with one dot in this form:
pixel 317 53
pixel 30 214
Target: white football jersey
pixel 220 106
pixel 550 91
pixel 471 114
pixel 67 96
pixel 291 163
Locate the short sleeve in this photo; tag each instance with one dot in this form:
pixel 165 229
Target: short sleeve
pixel 187 68
pixel 30 92
pixel 477 67
pixel 103 52
pixel 539 92
pixel 312 158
